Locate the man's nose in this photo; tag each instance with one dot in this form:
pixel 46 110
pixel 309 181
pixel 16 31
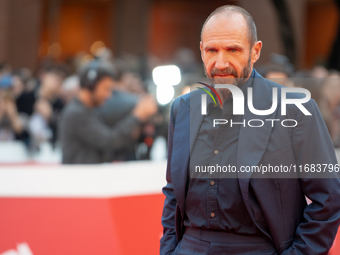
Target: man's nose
pixel 222 61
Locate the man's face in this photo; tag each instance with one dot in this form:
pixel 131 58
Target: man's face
pixel 102 92
pixel 51 83
pixel 226 51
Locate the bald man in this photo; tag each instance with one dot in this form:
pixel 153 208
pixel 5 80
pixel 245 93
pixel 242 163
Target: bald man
pixel 244 212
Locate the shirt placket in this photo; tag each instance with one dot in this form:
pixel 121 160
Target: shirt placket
pixel 213 183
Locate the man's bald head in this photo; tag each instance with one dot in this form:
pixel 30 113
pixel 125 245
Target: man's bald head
pixel 228 11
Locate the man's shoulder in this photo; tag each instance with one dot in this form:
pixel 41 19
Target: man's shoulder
pixel 74 109
pixel 185 99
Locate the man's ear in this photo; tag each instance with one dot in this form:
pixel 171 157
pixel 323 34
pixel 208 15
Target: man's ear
pixel 256 51
pixel 201 48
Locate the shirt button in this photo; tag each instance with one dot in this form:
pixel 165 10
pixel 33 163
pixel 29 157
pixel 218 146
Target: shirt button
pixel 212 183
pixel 216 151
pixel 212 215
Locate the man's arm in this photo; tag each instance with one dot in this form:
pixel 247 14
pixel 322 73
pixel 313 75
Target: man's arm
pixel 92 132
pixel 169 241
pixel 312 145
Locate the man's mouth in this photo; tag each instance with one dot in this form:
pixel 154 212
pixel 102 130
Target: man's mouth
pixel 223 75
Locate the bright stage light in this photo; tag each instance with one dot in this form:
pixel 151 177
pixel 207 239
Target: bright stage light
pixel 166 75
pixel 165 94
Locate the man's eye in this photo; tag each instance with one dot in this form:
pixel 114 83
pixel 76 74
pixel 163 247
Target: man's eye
pixel 232 50
pixel 212 50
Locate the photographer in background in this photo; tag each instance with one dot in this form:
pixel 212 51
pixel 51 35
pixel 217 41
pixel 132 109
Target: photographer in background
pixel 116 108
pixel 84 137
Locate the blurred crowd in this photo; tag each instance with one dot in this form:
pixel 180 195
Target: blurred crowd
pixel 31 106
pixel 32 103
pixel 323 84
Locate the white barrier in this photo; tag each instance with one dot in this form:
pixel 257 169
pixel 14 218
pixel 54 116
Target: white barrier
pixel 105 180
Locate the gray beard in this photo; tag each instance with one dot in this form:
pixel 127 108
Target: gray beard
pixel 239 81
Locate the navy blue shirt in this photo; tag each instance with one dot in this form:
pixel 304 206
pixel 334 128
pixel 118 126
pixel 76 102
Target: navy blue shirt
pixel 216 202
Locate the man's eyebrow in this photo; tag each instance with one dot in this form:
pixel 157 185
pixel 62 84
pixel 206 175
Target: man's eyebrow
pixel 235 47
pixel 208 47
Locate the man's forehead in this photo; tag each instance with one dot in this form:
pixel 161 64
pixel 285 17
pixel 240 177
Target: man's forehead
pixel 224 23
